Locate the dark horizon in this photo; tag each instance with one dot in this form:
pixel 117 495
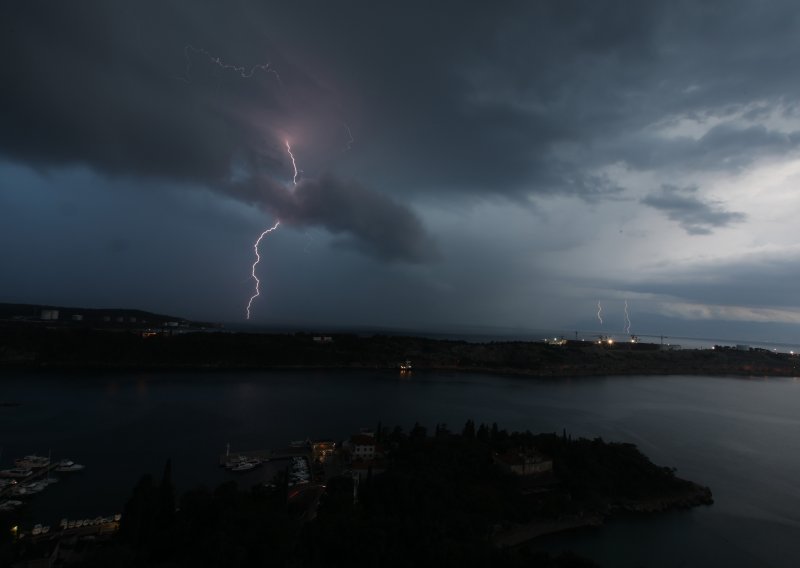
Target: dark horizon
pixel 474 333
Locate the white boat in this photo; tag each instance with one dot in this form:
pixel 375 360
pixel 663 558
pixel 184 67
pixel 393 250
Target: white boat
pixel 243 463
pixel 245 466
pixel 17 473
pixel 6 482
pixel 35 487
pixel 68 466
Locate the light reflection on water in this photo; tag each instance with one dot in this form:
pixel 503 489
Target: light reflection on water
pixel 739 436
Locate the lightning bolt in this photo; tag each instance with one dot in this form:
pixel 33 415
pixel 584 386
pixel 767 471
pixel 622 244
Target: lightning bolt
pixel 247 73
pixel 627 318
pixel 294 164
pixel 264 234
pixel 599 312
pixel 258 259
pixel 241 70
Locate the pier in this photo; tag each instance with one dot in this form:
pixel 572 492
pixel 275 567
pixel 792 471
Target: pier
pixel 38 473
pixel 264 455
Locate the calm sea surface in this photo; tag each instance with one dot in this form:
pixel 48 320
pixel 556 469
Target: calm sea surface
pixel 739 436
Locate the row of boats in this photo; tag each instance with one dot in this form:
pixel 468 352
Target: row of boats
pixel 25 467
pixel 24 489
pixel 66 524
pixel 17 482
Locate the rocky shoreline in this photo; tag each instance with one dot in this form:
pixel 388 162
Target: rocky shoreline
pixel 515 534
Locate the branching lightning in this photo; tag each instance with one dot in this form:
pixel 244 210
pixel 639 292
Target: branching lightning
pixel 248 73
pixel 627 319
pixel 599 312
pixel 258 259
pixel 241 70
pixel 264 234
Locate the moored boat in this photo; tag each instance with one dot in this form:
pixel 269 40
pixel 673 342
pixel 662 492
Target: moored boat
pixel 33 487
pixel 65 466
pixel 16 473
pixel 246 465
pixel 243 463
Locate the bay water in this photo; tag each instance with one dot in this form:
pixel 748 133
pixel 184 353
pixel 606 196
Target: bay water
pixel 740 436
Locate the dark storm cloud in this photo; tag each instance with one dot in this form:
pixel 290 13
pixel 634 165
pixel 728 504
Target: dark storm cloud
pixel 514 99
pixel 696 216
pixel 370 221
pixel 765 280
pixel 364 220
pixel 725 147
pixel 524 98
pixel 119 89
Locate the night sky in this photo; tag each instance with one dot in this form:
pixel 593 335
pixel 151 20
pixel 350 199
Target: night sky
pixel 497 164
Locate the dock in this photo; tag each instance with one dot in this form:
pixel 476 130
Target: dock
pixel 98 527
pixel 38 473
pixel 264 455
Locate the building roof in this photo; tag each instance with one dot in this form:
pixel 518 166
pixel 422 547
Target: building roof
pixel 362 440
pixel 521 457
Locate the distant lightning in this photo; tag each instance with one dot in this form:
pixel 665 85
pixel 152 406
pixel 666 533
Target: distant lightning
pixel 243 72
pixel 350 138
pixel 627 318
pixel 599 312
pixel 294 164
pixel 309 241
pixel 258 259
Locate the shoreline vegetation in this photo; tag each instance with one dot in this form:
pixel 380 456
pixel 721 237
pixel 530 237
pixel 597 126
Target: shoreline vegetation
pixel 478 497
pixel 38 347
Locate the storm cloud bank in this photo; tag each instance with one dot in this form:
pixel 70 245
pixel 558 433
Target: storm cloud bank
pixel 115 88
pixel 564 152
pixel 363 220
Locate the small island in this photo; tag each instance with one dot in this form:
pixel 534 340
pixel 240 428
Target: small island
pixel 478 497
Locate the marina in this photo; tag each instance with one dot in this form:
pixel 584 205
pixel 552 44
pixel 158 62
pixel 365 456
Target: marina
pixel 230 459
pixel 31 476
